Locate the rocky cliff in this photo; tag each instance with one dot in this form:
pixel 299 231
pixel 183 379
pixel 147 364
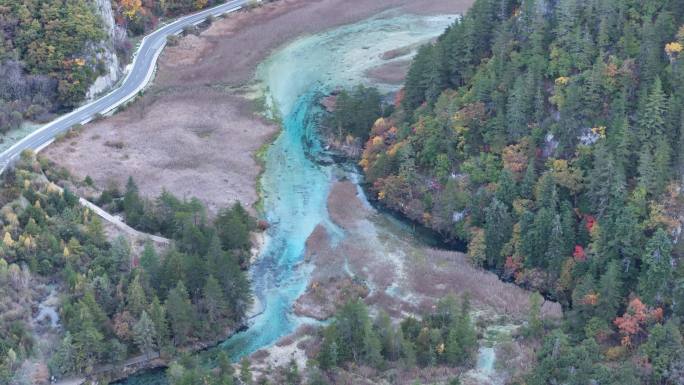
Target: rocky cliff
pixel 105 51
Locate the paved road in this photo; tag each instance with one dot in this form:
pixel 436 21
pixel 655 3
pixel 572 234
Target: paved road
pixel 139 75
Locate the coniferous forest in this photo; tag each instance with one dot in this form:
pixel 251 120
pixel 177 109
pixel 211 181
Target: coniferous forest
pixel 548 135
pixel 116 303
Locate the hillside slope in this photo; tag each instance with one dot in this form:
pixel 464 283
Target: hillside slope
pixel 54 54
pixel 548 135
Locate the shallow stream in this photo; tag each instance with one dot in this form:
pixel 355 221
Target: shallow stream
pixel 294 185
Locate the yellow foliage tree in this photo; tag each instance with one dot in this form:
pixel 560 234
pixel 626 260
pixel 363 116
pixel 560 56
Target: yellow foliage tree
pixel 562 81
pixel 131 8
pixel 566 175
pixel 477 247
pixel 674 48
pixel 7 240
pixel 28 242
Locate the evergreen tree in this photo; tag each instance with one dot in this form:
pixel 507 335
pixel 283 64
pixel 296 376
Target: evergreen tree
pixel 498 230
pixel 145 334
pixel 506 191
pixel 528 182
pixel 132 204
pixel 180 312
pixel 214 303
pixel 136 299
pixel 657 272
pixel 557 248
pixel 604 184
pixel 663 349
pixel 157 313
pixel 149 262
pixel 609 292
pixel 245 371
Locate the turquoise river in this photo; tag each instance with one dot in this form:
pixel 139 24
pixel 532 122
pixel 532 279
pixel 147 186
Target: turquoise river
pixel 295 183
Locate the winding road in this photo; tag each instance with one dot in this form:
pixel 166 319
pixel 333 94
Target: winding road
pixel 139 75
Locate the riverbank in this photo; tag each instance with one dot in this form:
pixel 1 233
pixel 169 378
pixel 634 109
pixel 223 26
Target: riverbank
pixel 380 260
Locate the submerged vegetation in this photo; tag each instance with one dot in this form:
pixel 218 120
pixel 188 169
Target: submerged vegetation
pixel 549 136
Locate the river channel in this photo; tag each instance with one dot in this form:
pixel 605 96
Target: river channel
pixel 295 183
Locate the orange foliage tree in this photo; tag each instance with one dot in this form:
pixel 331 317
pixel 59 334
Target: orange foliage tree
pixel 632 322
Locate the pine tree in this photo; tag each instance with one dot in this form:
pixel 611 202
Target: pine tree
pixel 656 274
pixel 64 359
pixel 145 335
pixel 462 337
pixel 663 348
pixel 132 204
pixel 498 229
pixel 652 118
pixel 226 369
pixel 506 190
pixel 535 325
pixel 328 356
pixel 604 183
pixel 121 254
pixel 529 181
pixel 609 292
pixel 245 371
pixel 149 262
pixel 648 175
pixel 157 313
pixel 136 299
pixel 180 312
pixel 556 251
pixel 519 108
pixel 425 350
pixel 214 304
pixel 543 230
pixel 389 337
pixel 529 240
pixel 662 165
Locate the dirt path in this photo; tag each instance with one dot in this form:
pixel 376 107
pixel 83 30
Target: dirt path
pixel 194 133
pixel 121 225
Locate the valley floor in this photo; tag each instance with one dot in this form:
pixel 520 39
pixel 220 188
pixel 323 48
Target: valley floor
pixel 193 132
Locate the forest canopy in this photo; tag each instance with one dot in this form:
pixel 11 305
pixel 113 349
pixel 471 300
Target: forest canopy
pixel 116 302
pixel 548 135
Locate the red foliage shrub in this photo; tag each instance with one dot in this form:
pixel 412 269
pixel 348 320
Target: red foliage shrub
pixel 579 254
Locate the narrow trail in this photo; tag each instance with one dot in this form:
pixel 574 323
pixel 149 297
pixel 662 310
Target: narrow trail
pixel 121 225
pixel 116 221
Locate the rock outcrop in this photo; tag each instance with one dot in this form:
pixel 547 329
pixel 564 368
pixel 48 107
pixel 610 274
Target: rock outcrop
pixel 105 51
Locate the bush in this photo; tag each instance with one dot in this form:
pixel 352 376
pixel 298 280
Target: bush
pixel 172 40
